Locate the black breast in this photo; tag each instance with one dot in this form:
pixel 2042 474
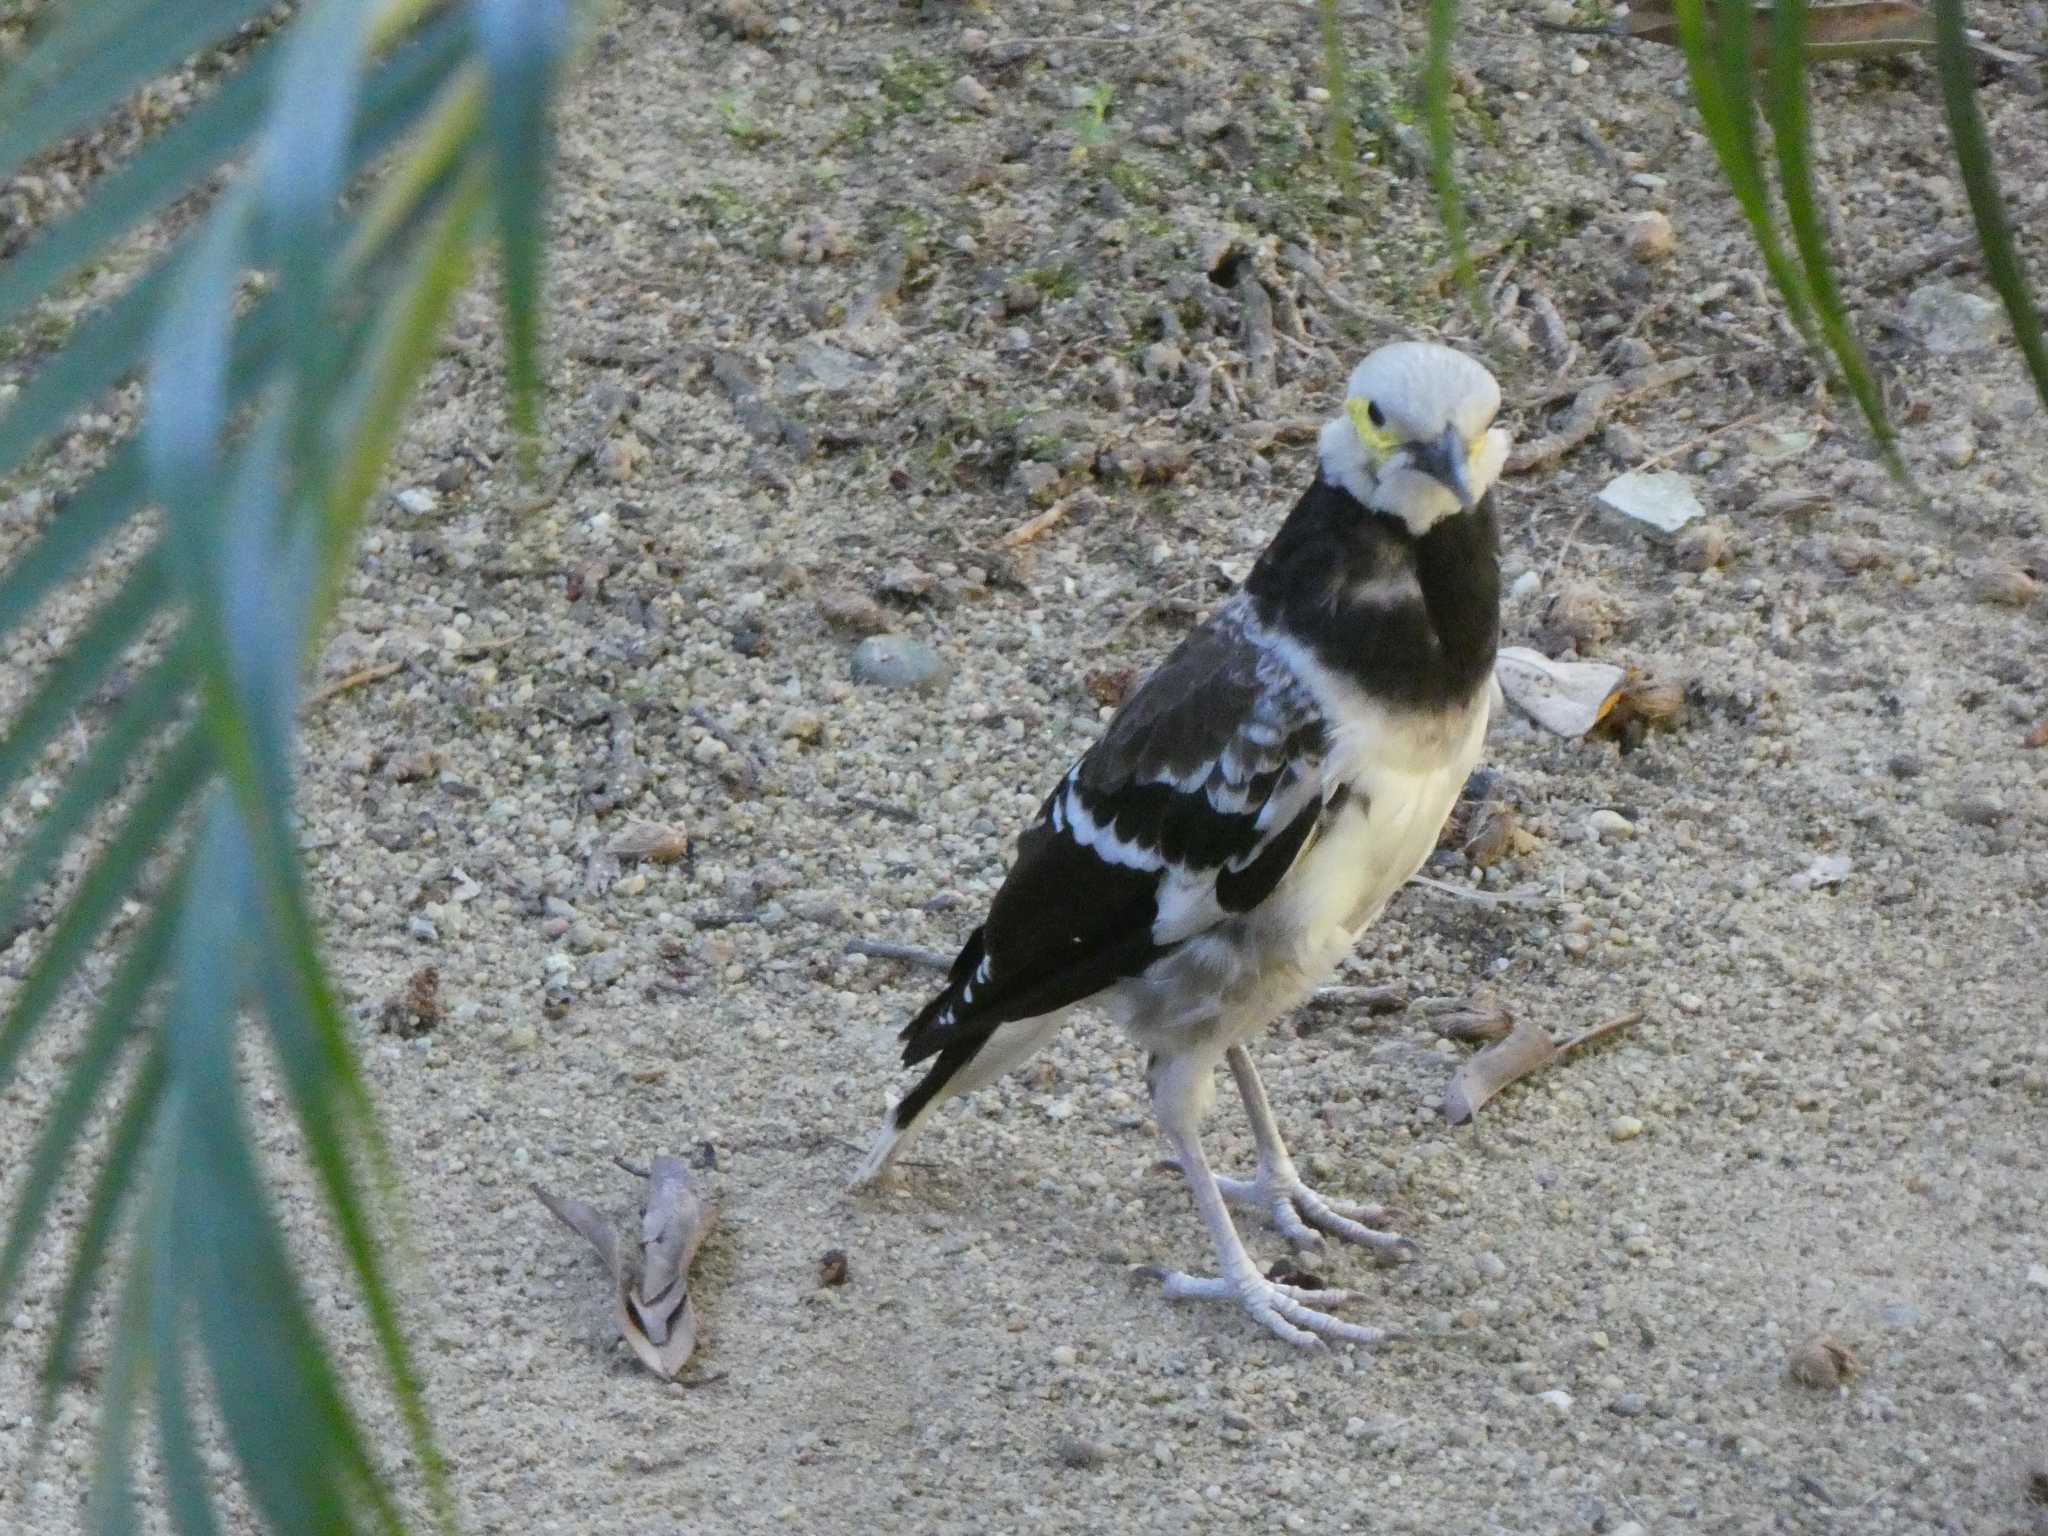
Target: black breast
pixel 1412 621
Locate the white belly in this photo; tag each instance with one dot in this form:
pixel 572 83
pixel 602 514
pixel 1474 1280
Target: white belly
pixel 1234 980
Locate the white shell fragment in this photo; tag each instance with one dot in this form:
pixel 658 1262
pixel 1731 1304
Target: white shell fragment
pixel 1565 697
pixel 1658 502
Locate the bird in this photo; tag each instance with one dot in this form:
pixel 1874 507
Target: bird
pixel 1250 809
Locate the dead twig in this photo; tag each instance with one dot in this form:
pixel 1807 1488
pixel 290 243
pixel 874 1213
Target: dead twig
pixel 1368 1001
pixel 908 954
pixel 1596 401
pixel 1478 255
pixel 1260 350
pixel 360 678
pixel 1754 418
pixel 1034 527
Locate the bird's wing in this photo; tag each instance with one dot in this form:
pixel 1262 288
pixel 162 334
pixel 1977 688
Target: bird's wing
pixel 1192 807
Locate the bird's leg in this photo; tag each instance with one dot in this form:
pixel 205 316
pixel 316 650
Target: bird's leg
pixel 1183 1086
pixel 1276 1189
pixel 1283 1309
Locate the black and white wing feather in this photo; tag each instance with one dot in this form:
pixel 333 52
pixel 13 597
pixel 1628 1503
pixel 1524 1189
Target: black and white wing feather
pixel 1193 806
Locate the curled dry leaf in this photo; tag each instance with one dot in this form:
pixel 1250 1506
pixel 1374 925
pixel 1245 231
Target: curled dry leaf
pixel 1478 1019
pixel 652 1307
pixel 656 843
pixel 1823 1363
pixel 1644 704
pixel 1565 697
pixel 1493 832
pixel 832 1268
pixel 1857 29
pixel 1527 1048
pixel 2037 737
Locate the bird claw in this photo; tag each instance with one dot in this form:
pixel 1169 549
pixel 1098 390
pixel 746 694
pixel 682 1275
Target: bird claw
pixel 1281 1309
pixel 1303 1217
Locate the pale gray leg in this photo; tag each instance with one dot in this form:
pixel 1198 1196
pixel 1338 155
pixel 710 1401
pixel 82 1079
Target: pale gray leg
pixel 1277 1192
pixel 1282 1309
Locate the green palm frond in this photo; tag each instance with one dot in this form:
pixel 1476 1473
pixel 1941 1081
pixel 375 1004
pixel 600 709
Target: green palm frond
pixel 1741 68
pixel 368 149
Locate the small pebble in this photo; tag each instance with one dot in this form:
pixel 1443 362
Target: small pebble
pixel 2037 1277
pixel 1822 1363
pixel 1637 1245
pixel 1557 1400
pixel 1610 826
pixel 970 93
pixel 1491 1266
pixel 1957 449
pixel 1650 237
pixel 897 661
pixel 1625 1128
pixel 417 501
pixel 1629 1405
pixel 1064 1356
pixel 1082 1455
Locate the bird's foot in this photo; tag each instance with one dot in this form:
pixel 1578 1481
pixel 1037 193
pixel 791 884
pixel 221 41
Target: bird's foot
pixel 1302 1216
pixel 1283 1310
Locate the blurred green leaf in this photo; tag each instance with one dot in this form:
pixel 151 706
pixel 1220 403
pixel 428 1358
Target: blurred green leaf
pixel 1980 181
pixel 523 42
pixel 1443 148
pixel 1785 108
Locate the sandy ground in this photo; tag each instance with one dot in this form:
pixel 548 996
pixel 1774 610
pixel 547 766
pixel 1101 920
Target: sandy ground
pixel 953 307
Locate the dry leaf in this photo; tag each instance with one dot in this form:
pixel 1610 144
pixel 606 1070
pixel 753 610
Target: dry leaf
pixel 1566 697
pixel 1858 29
pixel 2037 737
pixel 1526 1049
pixel 1823 1362
pixel 417 1009
pixel 832 1268
pixel 653 1308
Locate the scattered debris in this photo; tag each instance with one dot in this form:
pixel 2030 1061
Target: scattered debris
pixel 1044 522
pixel 2013 586
pixel 1527 1048
pixel 651 1286
pixel 1593 401
pixel 907 954
pixel 1287 1272
pixel 1826 872
pixel 1849 29
pixel 414 765
pixel 832 1268
pixel 1567 698
pixel 1110 686
pixel 415 1010
pixel 1494 826
pixel 1659 502
pixel 1369 1002
pixel 656 842
pixel 2036 738
pixel 1644 703
pixel 1476 1020
pixel 1823 1363
pixel 349 682
pixel 854 611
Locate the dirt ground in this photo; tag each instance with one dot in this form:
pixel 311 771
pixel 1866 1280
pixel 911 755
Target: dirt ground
pixel 844 295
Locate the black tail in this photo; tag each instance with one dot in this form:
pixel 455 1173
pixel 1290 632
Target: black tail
pixel 936 1024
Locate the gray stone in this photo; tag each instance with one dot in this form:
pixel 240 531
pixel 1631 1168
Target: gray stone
pixel 897 661
pixel 1657 502
pixel 1949 321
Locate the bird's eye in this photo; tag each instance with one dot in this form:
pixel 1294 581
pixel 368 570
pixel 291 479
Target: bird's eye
pixel 1374 414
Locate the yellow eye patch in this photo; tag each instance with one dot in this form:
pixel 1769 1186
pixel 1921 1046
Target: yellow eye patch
pixel 1377 440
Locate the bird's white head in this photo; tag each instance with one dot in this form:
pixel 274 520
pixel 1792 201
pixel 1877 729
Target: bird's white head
pixel 1416 440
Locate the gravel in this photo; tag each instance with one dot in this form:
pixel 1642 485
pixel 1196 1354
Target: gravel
pixel 1844 1086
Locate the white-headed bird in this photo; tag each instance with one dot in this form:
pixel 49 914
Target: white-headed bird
pixel 1252 807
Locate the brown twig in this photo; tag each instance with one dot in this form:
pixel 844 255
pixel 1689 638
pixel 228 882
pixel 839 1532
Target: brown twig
pixel 908 954
pixel 1752 419
pixel 354 680
pixel 1478 255
pixel 1034 527
pixel 1260 350
pixel 1596 401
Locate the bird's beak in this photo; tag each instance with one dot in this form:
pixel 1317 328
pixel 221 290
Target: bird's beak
pixel 1447 462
